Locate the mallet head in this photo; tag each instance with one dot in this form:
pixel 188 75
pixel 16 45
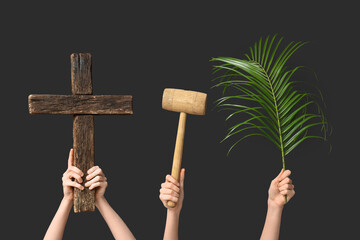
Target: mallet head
pixel 179 100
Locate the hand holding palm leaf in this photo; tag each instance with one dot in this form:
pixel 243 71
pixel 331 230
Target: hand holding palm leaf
pixel 274 105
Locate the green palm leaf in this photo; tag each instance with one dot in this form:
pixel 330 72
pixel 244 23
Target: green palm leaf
pixel 274 106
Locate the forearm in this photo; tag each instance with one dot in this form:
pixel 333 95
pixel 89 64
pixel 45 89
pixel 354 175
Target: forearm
pixel 172 225
pixel 57 225
pixel 271 229
pixel 117 226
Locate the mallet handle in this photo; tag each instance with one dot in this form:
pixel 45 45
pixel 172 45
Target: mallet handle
pixel 175 173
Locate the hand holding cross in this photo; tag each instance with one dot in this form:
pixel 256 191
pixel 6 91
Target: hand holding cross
pixel 82 105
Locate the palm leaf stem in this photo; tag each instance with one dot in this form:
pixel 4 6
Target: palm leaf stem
pixel 278 121
pixel 277 116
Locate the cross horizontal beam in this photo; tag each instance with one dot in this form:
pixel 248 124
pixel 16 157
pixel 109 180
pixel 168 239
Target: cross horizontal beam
pixel 80 104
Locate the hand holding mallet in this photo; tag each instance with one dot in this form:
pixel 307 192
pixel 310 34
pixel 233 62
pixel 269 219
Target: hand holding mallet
pixel 185 102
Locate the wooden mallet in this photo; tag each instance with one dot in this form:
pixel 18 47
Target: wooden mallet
pixel 185 102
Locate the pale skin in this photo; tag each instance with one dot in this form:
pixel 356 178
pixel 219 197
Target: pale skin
pixel 96 180
pixel 282 185
pixel 172 190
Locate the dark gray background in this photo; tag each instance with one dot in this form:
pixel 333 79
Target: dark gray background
pixel 139 48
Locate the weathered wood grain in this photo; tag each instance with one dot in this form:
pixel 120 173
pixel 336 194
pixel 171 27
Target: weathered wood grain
pixel 81 79
pixel 80 104
pixel 83 129
pixel 84 158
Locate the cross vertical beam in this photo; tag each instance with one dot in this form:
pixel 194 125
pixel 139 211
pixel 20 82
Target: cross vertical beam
pixel 83 130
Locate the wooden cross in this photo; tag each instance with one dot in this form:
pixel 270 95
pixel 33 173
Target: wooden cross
pixel 82 105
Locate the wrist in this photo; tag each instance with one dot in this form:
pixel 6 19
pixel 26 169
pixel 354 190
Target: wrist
pixel 272 205
pixel 173 212
pixel 99 200
pixel 68 199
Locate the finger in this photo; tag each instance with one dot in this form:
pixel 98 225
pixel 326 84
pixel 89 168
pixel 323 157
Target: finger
pixel 165 197
pixel 93 174
pixel 286 187
pixel 94 180
pixel 171 192
pixel 170 185
pixel 182 179
pixel 66 172
pixel 91 170
pixel 285 181
pixel 291 194
pixel 171 179
pixel 277 177
pixel 98 184
pixel 74 175
pixel 284 175
pixel 71 158
pixel 286 192
pixel 70 183
pixel 163 201
pixel 76 170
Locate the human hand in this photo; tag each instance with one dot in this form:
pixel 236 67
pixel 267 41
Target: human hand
pixel 280 187
pixel 96 179
pixel 173 190
pixel 68 178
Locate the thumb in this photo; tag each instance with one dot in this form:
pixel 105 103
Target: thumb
pixel 278 176
pixel 71 158
pixel 182 178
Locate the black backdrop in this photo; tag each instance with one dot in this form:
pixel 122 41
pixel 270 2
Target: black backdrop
pixel 139 49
